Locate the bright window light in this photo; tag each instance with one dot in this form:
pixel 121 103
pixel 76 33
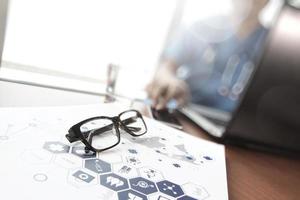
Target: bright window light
pixel 81 37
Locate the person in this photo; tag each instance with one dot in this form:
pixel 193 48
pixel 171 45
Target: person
pixel 208 64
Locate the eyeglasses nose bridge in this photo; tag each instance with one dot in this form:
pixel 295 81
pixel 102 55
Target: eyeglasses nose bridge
pixel 116 121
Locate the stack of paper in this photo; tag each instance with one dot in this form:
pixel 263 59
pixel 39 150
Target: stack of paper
pixel 37 162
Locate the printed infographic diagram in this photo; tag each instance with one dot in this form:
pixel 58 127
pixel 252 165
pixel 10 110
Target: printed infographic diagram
pixel 164 164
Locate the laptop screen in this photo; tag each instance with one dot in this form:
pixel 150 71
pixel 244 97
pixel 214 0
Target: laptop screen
pixel 3 13
pixel 269 112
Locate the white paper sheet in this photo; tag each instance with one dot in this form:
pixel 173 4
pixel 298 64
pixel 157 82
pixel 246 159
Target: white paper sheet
pixel 37 162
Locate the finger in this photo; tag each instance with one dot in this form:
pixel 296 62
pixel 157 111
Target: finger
pixel 157 94
pixel 180 101
pixel 169 94
pixel 161 104
pixel 182 97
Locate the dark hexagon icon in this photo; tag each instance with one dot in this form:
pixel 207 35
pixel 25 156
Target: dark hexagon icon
pixel 98 166
pixel 143 185
pixel 56 147
pixel 186 198
pixel 131 195
pixel 81 152
pixel 169 188
pixel 83 176
pixel 114 182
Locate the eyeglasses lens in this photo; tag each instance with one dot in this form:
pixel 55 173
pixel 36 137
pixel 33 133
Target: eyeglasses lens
pixel 100 133
pixel 133 122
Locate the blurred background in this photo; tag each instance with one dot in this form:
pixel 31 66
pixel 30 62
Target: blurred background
pixel 70 43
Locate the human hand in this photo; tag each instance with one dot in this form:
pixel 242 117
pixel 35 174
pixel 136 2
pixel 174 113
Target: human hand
pixel 164 87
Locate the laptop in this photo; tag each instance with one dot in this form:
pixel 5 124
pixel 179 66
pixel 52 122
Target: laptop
pixel 268 114
pixel 3 14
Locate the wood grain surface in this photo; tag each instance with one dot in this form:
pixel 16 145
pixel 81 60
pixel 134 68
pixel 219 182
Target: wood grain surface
pixel 254 175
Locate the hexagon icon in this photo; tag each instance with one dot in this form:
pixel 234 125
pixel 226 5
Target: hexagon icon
pixel 143 185
pixel 81 178
pixel 56 147
pixel 125 170
pixel 186 198
pixel 114 182
pixel 169 188
pixel 195 191
pixel 132 195
pixel 98 166
pixel 81 152
pixel 151 174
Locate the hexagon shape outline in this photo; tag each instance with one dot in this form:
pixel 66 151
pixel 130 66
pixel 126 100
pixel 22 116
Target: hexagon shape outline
pixel 134 194
pixel 169 188
pixel 83 176
pixel 125 170
pixel 56 147
pixel 84 156
pixel 150 176
pixel 114 182
pixel 77 182
pixel 143 185
pixel 99 167
pixel 194 195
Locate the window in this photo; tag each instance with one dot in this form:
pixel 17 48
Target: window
pixel 69 43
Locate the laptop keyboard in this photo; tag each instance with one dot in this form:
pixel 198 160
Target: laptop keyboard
pixel 217 121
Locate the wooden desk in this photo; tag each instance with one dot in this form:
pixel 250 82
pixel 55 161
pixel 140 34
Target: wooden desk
pixel 256 175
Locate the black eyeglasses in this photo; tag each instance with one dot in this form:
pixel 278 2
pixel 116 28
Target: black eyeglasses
pixel 102 133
